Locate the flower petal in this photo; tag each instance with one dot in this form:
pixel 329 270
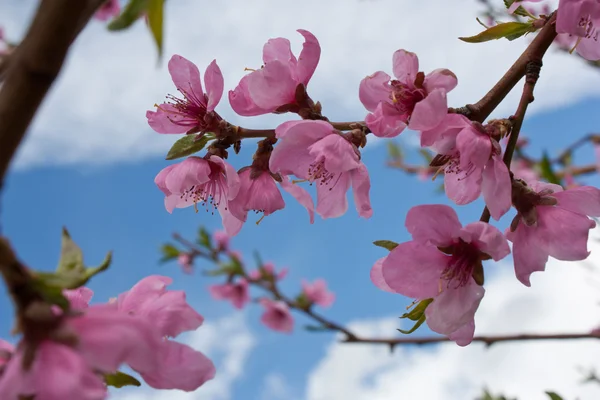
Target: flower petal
pixel 331 198
pixel 434 224
pixel 272 86
pixel 430 111
pixel 242 103
pixel 414 270
pixel 440 79
pixel 377 276
pixel 581 200
pixel 405 66
pixel 301 195
pixel 374 89
pixel 528 253
pixel 213 79
pixel 167 119
pixel 385 121
pixel 496 187
pixel 309 57
pixel 337 154
pixel 488 239
pixel 186 77
pixel 361 185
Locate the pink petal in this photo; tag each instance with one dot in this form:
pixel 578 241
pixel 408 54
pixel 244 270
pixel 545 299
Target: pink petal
pixel 464 335
pixel 385 121
pixel 462 188
pixel 374 89
pixel 589 48
pixel 496 187
pixel 277 316
pixel 442 138
pixel 190 172
pixel 242 103
pixel 309 57
pixel 301 195
pixel 414 270
pixel 278 49
pixel 161 179
pixel 181 367
pixel 331 198
pixel 433 224
pixel 337 153
pixel 231 224
pixel 162 120
pixel 581 200
pixel 430 111
pixel 405 66
pixel 377 276
pixel 272 86
pixel 186 78
pixel 291 154
pixel 488 239
pixel 440 79
pixel 263 194
pixel 213 79
pixel 528 254
pixel 475 148
pixel 79 298
pixel 564 233
pixel 454 308
pixel 361 185
pixel 233 180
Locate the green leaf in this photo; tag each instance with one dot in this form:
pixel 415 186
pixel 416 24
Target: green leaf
pixel 71 272
pixel 415 327
pixel 204 238
pixel 426 155
pixel 519 11
pixel 554 396
pixel 546 170
pixel 155 22
pixel 508 30
pixel 188 145
pixel 418 311
pixel 131 12
pixel 394 151
pixel 51 294
pixel 386 244
pixel 169 252
pixel 120 379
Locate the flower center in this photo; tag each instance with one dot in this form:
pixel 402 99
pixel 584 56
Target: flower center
pixel 464 258
pixel 318 172
pixel 587 24
pixel 211 193
pixel 405 97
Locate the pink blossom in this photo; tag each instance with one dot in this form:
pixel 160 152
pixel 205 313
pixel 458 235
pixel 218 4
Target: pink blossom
pixel 181 367
pixel 597 154
pixel 316 152
pixel 221 239
pixel 79 298
pixel 581 18
pixel 277 315
pixel 57 372
pixel 513 7
pixel 236 292
pixel 274 85
pixel 6 353
pixel 186 261
pixel 317 292
pixel 412 99
pixel 210 181
pixel 523 170
pixel 259 193
pixel 267 272
pixel 472 164
pixel 195 111
pixel 441 262
pixel 108 10
pixel 553 222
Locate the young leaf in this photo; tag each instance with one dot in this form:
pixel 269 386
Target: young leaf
pixel 546 170
pixel 386 244
pixel 155 22
pixel 131 12
pixel 554 396
pixel 519 11
pixel 169 252
pixel 120 379
pixel 188 145
pixel 394 151
pixel 204 238
pixel 415 327
pixel 508 30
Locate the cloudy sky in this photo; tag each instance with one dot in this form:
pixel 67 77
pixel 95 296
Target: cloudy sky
pixel 90 159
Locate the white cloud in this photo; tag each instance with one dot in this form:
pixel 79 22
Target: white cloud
pixel 96 112
pixel 228 355
pixel 562 299
pixel 275 387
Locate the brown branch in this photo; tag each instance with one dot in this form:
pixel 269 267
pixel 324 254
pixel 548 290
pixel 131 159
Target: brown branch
pixel 535 51
pixel 487 340
pixel 246 133
pixel 34 66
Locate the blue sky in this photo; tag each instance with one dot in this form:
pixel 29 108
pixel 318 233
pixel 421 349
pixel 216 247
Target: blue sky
pixel 89 165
